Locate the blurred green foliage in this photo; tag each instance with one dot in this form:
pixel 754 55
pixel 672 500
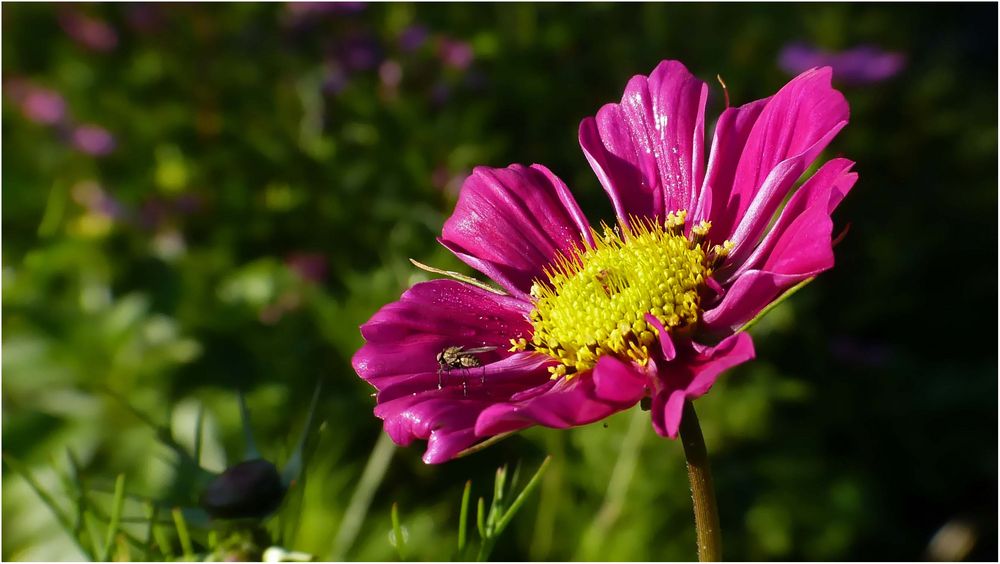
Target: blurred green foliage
pixel 274 166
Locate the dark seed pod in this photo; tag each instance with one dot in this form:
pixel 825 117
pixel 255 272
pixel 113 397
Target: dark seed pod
pixel 248 490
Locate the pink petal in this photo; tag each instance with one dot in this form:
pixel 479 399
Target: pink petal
pixel 691 375
pixel 611 387
pixel 803 250
pixel 446 418
pixel 509 223
pixel 728 142
pixel 666 343
pixel 404 338
pixel 647 150
pixel 824 189
pixel 789 132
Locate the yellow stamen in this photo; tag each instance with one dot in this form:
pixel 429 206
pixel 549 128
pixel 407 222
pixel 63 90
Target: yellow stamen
pixel 595 299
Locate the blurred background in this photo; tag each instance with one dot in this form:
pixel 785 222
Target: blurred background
pixel 204 198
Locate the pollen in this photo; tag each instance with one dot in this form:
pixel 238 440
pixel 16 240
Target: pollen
pixel 594 300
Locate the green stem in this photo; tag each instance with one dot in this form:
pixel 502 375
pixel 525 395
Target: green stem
pixel 706 513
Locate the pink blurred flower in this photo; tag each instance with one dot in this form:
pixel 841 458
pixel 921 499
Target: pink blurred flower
pixel 455 54
pixel 390 73
pixel 864 64
pixel 93 140
pixel 88 31
pixel 43 106
pixel 589 322
pixel 309 266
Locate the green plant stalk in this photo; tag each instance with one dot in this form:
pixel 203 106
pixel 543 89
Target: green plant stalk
pixel 706 513
pixel 397 532
pixel 464 519
pixel 182 534
pixel 116 514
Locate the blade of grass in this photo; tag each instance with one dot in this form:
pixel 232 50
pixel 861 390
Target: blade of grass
pixel 397 532
pixel 293 468
pixel 162 540
pixel 49 502
pixel 463 518
pixel 481 518
pixel 357 508
pixel 250 451
pixel 116 514
pixel 182 534
pixel 488 442
pixel 522 497
pixel 199 424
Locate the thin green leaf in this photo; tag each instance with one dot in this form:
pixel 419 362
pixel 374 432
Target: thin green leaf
pixel 459 277
pixel 293 468
pixel 488 442
pixel 116 515
pixel 481 518
pixel 63 520
pixel 199 424
pixel 250 451
pixel 182 534
pixel 523 496
pixel 774 304
pixel 397 533
pixel 463 518
pixel 166 547
pixel 152 512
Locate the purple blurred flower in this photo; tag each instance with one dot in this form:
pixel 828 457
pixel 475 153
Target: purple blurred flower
pixel 335 79
pixel 88 31
pixel 144 17
pixel 305 9
pixel 412 38
pixel 455 54
pixel 93 140
pixel 854 351
pixel 309 266
pixel 864 64
pixel 43 106
pixel 360 53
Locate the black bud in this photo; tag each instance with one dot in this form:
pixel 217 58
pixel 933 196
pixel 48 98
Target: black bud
pixel 248 490
pixel 646 403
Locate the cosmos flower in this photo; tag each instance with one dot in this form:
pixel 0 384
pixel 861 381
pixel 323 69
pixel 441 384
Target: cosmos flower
pixel 592 320
pixel 863 64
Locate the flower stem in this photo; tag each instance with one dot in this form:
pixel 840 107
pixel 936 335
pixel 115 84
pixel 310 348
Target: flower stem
pixel 706 513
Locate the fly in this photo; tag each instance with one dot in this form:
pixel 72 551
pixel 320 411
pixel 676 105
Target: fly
pixel 460 357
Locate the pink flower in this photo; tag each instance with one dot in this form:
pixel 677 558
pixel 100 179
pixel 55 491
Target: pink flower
pixel 591 321
pixel 43 106
pixel 89 32
pixel 93 140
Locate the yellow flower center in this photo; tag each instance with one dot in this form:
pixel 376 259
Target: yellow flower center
pixel 595 300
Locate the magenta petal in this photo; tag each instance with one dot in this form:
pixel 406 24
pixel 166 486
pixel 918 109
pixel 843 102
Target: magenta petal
pixel 788 134
pixel 509 223
pixel 611 387
pixel 691 375
pixel 825 189
pixel 730 138
pixel 666 343
pixel 404 338
pixel 647 150
pixel 446 418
